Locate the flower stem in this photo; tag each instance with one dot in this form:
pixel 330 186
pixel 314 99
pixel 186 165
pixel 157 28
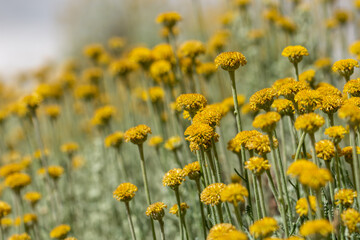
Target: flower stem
pixel 315 160
pixel 201 208
pixel 257 198
pixel 161 222
pixel 130 220
pixel 307 195
pixel 180 213
pixel 298 149
pixel 219 212
pixel 261 195
pixel 355 163
pixel 236 104
pixel 238 216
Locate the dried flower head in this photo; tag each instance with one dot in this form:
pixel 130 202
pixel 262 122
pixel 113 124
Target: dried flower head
pixel 192 170
pixel 191 102
pixel 257 165
pixel 241 139
pixel 283 106
pixel 142 56
pixel 200 135
pixel 316 228
pixel 160 69
pixel 347 153
pixel 60 231
pixel 295 53
pixel 345 67
pixel 125 192
pixel 156 211
pixel 345 197
pixel 234 193
pixel 330 104
pixel 262 99
pixel 325 149
pixel 310 122
pixel 264 227
pixel 307 101
pixel 209 115
pixel 260 144
pixel 137 135
pixel 211 194
pixel 267 121
pixel 351 114
pixel 302 207
pixel 351 219
pixel 122 67
pixel 174 178
pixel 230 61
pixel 114 140
pixel 289 89
pixel 175 209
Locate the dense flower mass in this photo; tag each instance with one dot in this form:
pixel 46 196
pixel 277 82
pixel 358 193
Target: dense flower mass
pixel 218 231
pixel 309 123
pixel 211 195
pixel 267 121
pixel 60 232
pixel 191 102
pixel 257 165
pixel 262 99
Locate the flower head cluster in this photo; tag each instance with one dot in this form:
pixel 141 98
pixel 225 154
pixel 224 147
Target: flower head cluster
pixel 55 172
pixel 262 99
pixel 70 148
pixel 351 113
pixel 257 165
pixel 168 19
pixel 290 88
pixel 353 87
pixel 230 61
pixel 192 49
pixel 283 106
pixel 137 135
pixel 163 51
pixel 103 115
pixel 32 197
pixel 308 76
pixel 351 219
pixel 336 133
pixel 174 178
pixel 241 139
pixel 323 63
pixel 264 227
pixel 234 193
pixel 302 207
pixel 125 192
pixel 329 104
pixel 175 209
pixel 17 181
pixel 211 194
pixel 200 135
pixel 30 219
pixel 260 144
pixel 229 102
pixel 60 232
pixel 325 149
pixel 23 236
pixel 316 228
pixel 209 115
pixel 155 141
pixel 310 122
pixel 93 51
pixel 307 100
pixel 218 231
pixel 114 140
pixel 206 69
pixel 142 56
pixel 86 92
pixel 160 69
pixel 192 170
pixel 52 111
pixel 156 211
pixel 345 197
pixel 156 94
pixel 295 53
pixel 122 67
pixel 32 101
pixel 267 121
pixel 347 153
pixel 11 168
pixel 5 209
pixel 191 102
pixel 345 67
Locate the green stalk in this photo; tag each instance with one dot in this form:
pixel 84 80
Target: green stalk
pixel 257 198
pixel 331 185
pixel 272 186
pixel 314 158
pixel 319 211
pixel 307 195
pixel 236 104
pixel 238 216
pixel 128 213
pixel 214 171
pixel 296 71
pixel 201 208
pixel 355 163
pixel 298 149
pixel 219 213
pixel 180 213
pixel 185 228
pixel 339 182
pixel 261 195
pixel 161 222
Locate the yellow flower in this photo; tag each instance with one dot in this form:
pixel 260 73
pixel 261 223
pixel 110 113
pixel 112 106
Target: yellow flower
pixel 6 223
pixel 241 139
pixel 160 69
pixel 174 178
pixel 11 168
pixel 351 113
pixel 286 24
pixel 355 48
pixel 191 49
pixel 336 133
pixel 315 228
pixel 308 76
pixel 114 140
pixel 70 238
pixel 173 143
pixel 86 92
pixel 17 181
pixel 32 197
pixel 329 104
pixel 229 102
pixel 94 51
pixel 315 178
pixel 30 219
pixel 353 87
pixel 52 111
pixel 262 99
pixel 260 144
pixel 325 149
pixel 230 61
pixel 345 67
pixel 32 101
pixel 137 135
pixel 103 115
pixel 49 91
pixel 218 41
pixel 342 16
pixel 283 106
pixel 257 165
pixel 156 211
pixel 302 207
pixel 295 53
pixel 209 115
pixel 116 43
pixel 55 172
pixel 347 153
pixel 351 219
pixel 264 227
pixel 206 69
pixel 299 167
pixel 211 194
pixel 234 193
pixel 345 197
pixel 200 135
pixel 192 170
pixel 191 102
pixel 164 51
pixel 92 75
pixel 267 121
pixel 23 236
pixel 307 100
pixel 234 235
pixel 125 192
pixel 323 63
pixel 122 67
pixel 310 122
pixel 142 56
pixel 155 141
pixel 290 88
pixel 70 148
pixel 168 19
pixel 156 94
pixel 256 34
pixel 60 231
pixel 175 209
pixel 218 231
pixel 5 209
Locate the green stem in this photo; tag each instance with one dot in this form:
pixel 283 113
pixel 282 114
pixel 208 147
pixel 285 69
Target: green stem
pixel 130 220
pixel 298 149
pixel 272 186
pixel 296 71
pixel 186 228
pixel 161 222
pixel 219 212
pixel 314 157
pixel 319 211
pixel 236 104
pixel 307 195
pixel 215 173
pixel 331 185
pixel 261 195
pixel 180 213
pixel 201 208
pixel 238 216
pixel 355 163
pixel 257 198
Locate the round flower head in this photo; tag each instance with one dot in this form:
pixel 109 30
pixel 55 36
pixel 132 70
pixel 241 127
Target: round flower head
pixel 264 227
pixel 156 211
pixel 200 135
pixel 93 51
pixel 351 113
pixel 92 75
pixel 283 107
pixel 299 167
pixel 160 69
pixel 322 63
pixel 30 219
pixel 235 235
pixel 175 209
pixel 206 69
pixel 267 121
pixel 70 148
pixel 211 194
pixel 10 168
pixel 336 133
pixel 260 144
pixel 168 19
pixel 137 135
pixel 308 76
pixel 55 172
pixel 353 87
pixel 262 99
pixel 345 197
pixel 289 89
pixel 345 67
pixel 191 102
pixel 192 170
pixel 5 209
pixel 173 143
pixel 209 115
pixel 191 49
pixel 103 115
pixel 163 51
pixel 156 94
pixel 23 236
pixel 174 178
pixel 32 101
pixel 325 149
pixel 122 67
pixel 230 61
pixel 257 165
pixel 234 193
pixel 295 53
pixel 218 231
pixel 281 82
pixel 315 178
pixel 114 140
pixel 329 104
pixel 70 238
pixel 355 48
pixel 307 100
pixel 142 56
pixel 52 111
pixel 347 153
pixel 310 122
pixel 155 141
pixel 316 228
pixel 86 92
pixel 60 231
pixel 302 207
pixel 17 181
pixel 116 43
pixel 241 139
pixel 33 197
pixel 351 219
pixel 125 192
